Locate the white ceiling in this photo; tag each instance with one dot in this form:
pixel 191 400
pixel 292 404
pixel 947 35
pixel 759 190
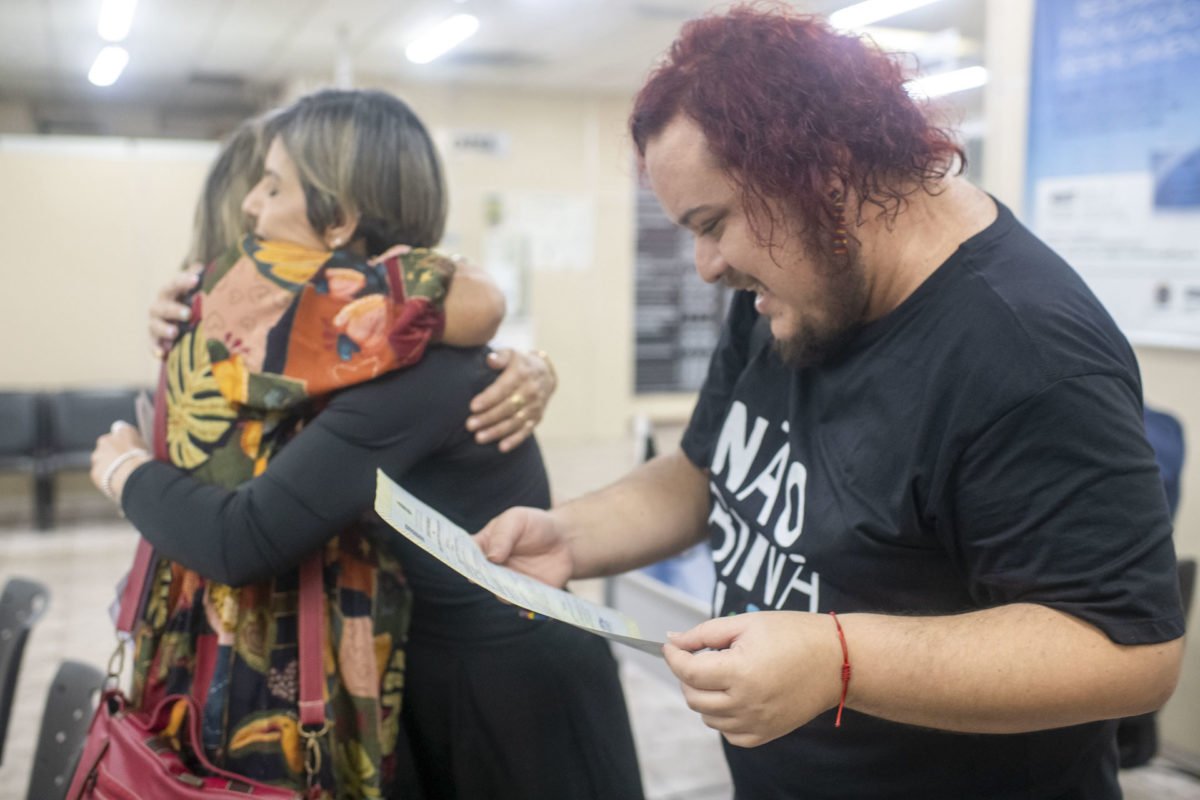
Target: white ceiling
pixel 221 60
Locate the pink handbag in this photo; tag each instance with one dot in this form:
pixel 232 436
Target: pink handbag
pixel 137 755
pixel 128 757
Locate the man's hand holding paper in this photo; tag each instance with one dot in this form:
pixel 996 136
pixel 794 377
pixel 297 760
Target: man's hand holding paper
pixel 544 552
pixel 526 540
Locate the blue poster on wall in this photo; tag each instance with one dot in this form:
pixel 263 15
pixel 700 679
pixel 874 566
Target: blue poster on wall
pixel 1114 156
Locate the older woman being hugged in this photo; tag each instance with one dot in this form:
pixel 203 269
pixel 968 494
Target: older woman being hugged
pixel 496 705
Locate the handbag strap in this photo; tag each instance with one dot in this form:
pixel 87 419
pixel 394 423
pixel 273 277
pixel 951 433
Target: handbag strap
pixel 133 597
pixel 311 635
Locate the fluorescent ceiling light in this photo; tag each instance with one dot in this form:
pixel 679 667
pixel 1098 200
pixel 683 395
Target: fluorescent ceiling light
pixel 108 66
pixel 862 14
pixel 116 17
pixel 441 37
pixel 947 82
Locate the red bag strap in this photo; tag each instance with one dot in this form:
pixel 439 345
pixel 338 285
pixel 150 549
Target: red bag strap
pixel 312 633
pixel 134 595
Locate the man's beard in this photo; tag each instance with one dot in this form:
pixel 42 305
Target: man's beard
pixel 845 301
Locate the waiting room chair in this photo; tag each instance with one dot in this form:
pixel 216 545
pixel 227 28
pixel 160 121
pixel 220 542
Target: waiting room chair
pixel 77 419
pixel 1165 434
pixel 70 704
pixel 21 605
pixel 22 441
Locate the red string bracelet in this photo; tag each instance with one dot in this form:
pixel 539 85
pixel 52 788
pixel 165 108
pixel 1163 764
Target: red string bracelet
pixel 845 669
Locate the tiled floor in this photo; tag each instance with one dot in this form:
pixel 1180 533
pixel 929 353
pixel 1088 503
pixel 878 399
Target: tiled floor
pixel 82 561
pixel 80 565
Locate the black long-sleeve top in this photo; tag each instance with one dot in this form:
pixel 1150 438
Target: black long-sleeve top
pixel 408 423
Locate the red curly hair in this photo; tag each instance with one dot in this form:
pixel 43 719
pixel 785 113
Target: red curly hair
pixel 788 105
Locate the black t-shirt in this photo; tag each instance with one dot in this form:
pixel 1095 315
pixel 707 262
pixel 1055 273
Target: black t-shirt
pixel 980 445
pixel 409 423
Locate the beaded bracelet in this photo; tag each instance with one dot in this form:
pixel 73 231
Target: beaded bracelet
pixel 111 472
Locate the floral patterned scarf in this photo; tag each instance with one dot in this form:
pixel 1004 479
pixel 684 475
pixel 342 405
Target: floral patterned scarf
pixel 274 329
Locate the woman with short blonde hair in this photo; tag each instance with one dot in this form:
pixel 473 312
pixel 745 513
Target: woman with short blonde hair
pixel 497 704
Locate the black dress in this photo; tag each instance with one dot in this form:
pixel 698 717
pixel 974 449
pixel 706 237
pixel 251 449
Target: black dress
pixel 496 705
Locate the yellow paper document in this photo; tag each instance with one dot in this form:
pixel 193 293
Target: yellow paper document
pixel 455 548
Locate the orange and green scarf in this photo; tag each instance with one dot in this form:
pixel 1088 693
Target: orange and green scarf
pixel 274 329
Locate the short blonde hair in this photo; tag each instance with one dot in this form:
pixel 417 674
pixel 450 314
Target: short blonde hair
pixel 219 221
pixel 365 153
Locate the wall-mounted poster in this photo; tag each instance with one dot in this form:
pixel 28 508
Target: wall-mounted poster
pixel 1114 156
pixel 528 231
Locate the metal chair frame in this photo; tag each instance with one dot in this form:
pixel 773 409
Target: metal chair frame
pixel 22 604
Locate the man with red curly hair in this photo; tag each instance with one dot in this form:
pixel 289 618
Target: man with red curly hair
pixel 942 548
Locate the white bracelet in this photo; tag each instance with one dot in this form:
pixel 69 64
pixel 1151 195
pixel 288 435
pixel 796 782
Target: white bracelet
pixel 110 473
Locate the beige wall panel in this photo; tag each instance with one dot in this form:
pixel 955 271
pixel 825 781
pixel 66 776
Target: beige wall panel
pixel 89 228
pixel 119 213
pixel 559 142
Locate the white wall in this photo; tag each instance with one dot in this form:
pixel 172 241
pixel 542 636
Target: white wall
pixel 89 227
pixel 92 226
pixel 574 144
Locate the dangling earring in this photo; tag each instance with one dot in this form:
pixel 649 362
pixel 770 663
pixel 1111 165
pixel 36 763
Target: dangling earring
pixel 840 241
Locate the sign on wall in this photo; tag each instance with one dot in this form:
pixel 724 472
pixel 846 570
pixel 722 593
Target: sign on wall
pixel 534 231
pixel 677 316
pixel 1114 156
